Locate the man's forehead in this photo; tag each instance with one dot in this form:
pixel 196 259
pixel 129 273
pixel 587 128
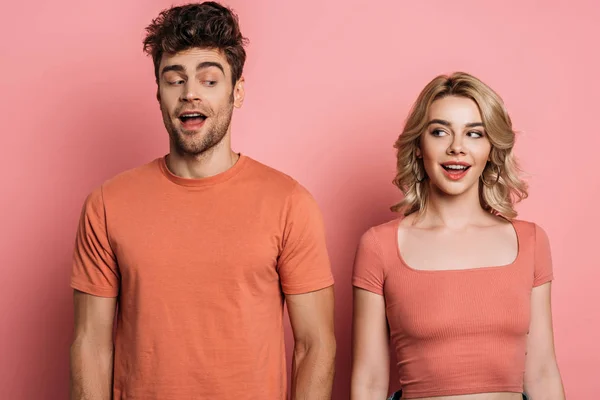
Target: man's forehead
pixel 191 58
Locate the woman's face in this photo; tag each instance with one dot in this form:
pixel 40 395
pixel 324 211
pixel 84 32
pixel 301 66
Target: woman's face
pixel 454 146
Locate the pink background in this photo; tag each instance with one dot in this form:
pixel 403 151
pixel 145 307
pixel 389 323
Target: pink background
pixel 328 87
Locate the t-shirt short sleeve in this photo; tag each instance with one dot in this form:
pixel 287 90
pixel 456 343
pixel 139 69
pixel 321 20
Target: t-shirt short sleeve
pixel 543 272
pixel 303 263
pixel 368 272
pixel 95 270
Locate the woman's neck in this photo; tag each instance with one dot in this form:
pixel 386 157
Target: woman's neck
pixel 454 211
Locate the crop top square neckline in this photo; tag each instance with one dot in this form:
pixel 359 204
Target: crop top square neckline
pixel 516 224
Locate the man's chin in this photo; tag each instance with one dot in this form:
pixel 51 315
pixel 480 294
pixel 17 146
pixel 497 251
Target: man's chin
pixel 189 151
pixel 189 132
pixel 190 145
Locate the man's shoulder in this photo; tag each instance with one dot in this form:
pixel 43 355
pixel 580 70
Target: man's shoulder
pixel 280 187
pixel 272 177
pixel 118 187
pixel 135 173
pixel 129 180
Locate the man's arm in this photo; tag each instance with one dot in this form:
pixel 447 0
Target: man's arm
pixel 92 348
pixel 542 377
pixel 311 317
pixel 370 345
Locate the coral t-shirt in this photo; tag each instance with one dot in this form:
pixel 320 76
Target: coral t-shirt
pixel 200 268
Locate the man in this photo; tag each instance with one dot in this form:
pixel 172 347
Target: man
pixel 200 248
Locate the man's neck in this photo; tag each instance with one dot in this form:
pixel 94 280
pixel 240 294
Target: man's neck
pixel 202 165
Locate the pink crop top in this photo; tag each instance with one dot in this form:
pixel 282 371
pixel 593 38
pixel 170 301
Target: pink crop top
pixel 457 331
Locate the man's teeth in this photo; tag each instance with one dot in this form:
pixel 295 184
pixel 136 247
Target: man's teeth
pixel 191 115
pixel 455 167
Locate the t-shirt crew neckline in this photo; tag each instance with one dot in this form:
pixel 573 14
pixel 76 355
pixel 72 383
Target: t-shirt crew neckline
pixel 202 182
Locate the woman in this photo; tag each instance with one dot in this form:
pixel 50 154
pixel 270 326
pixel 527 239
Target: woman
pixel 458 286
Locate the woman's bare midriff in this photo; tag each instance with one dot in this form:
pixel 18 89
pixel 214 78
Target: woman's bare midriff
pixel 479 396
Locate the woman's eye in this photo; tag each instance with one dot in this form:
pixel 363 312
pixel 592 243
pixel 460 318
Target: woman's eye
pixel 475 134
pixel 438 132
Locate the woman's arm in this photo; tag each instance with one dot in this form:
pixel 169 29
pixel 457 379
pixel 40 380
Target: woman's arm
pixel 370 343
pixel 542 377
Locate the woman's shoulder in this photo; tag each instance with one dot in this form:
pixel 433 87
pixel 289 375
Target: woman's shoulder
pixel 381 235
pixel 522 222
pixel 385 228
pixel 530 230
pixel 528 224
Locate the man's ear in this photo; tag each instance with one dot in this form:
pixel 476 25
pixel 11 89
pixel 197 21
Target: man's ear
pixel 239 93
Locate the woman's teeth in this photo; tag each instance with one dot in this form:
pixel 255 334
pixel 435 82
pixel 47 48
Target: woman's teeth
pixel 456 167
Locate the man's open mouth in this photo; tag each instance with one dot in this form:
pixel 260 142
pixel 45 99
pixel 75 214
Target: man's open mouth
pixel 192 117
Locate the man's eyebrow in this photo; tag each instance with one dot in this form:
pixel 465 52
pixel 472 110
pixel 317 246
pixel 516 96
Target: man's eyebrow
pixel 209 64
pixel 173 67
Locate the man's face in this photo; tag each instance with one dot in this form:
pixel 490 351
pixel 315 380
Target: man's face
pixel 197 98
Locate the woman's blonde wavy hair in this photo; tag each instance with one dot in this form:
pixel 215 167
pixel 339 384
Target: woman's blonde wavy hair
pixel 500 186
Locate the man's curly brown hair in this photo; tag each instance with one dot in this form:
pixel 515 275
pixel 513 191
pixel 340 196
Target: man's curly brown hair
pixel 205 25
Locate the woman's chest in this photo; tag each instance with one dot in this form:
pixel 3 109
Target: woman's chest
pixel 434 304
